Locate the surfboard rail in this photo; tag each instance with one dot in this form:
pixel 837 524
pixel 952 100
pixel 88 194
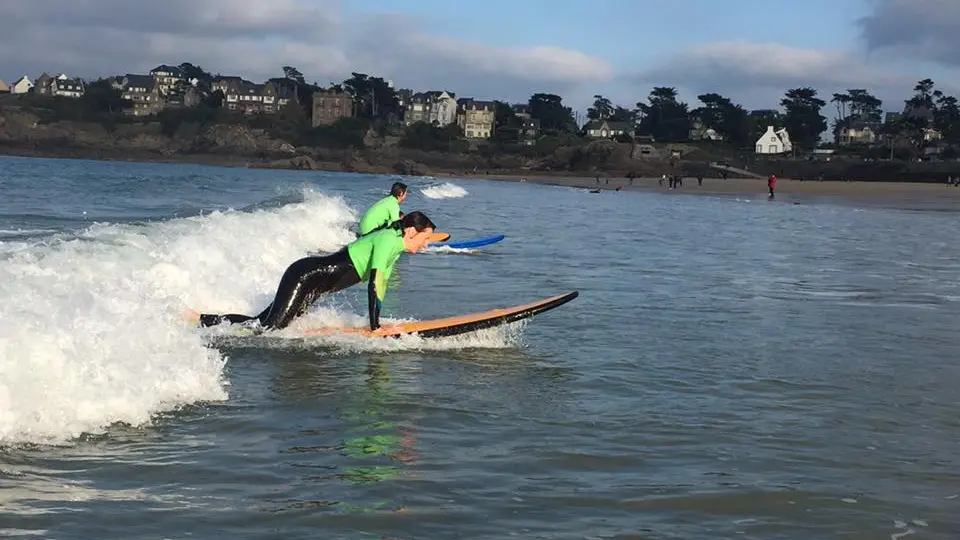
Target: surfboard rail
pixel 458 324
pixel 478 242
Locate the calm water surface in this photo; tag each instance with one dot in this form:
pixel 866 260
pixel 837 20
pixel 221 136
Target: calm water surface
pixel 732 368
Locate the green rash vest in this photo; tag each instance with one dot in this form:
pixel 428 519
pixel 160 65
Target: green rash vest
pixel 378 251
pixel 383 212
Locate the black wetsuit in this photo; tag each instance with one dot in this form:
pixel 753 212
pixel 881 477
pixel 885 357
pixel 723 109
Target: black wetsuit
pixel 301 284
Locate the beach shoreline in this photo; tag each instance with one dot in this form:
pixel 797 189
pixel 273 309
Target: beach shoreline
pixel 899 195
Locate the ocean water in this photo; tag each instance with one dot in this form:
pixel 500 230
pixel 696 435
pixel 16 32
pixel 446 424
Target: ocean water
pixel 733 367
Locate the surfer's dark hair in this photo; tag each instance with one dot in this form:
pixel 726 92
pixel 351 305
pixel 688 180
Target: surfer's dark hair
pixel 398 189
pixel 416 219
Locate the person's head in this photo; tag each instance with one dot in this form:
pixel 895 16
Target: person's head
pixel 399 190
pixel 416 228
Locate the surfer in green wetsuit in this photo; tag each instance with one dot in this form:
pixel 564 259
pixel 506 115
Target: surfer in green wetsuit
pixel 385 211
pixel 371 257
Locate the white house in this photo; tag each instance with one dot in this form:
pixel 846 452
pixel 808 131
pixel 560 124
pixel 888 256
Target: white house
pixel 774 142
pixel 4 87
pixel 22 86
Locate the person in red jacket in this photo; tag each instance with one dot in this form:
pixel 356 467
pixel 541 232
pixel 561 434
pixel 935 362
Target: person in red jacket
pixel 771 184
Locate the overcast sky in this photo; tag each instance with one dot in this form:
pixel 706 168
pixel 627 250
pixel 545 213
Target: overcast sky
pixel 750 50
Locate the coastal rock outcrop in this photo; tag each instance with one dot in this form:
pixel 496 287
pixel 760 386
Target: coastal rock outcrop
pixel 29 130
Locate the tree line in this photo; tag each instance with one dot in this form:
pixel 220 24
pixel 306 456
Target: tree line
pixel 666 118
pixel 662 116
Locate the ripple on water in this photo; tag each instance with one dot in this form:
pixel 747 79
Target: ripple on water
pixel 759 370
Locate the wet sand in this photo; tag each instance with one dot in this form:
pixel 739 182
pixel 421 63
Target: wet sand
pixel 909 196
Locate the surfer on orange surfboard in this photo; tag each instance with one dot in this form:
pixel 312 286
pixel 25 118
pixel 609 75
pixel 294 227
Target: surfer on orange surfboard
pixel 371 257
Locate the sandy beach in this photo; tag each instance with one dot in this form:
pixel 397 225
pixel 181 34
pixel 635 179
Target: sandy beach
pixel 908 196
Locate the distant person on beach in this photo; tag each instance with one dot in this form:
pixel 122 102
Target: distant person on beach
pixel 385 211
pixel 371 257
pixel 772 184
pixel 700 179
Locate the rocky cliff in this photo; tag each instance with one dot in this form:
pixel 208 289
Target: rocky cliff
pixel 23 130
pixel 26 131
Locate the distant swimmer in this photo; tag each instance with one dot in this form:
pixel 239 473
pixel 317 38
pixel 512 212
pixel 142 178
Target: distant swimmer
pixel 371 257
pixel 385 211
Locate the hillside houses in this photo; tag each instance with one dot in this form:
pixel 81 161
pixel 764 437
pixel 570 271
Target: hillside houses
pixel 143 93
pixel 476 118
pixel 438 108
pixel 166 78
pixel 251 98
pixel 330 106
pixel 60 85
pixel 184 86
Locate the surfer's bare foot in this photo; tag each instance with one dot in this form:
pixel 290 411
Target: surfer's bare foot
pixel 191 316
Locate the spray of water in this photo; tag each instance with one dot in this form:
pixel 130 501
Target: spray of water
pixel 92 332
pixel 444 191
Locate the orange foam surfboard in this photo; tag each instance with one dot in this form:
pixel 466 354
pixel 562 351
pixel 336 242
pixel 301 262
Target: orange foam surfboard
pixel 438 237
pixel 451 326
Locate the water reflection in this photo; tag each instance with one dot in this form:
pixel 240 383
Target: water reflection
pixel 380 440
pixel 356 430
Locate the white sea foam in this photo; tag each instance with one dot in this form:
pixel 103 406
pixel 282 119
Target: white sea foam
pixel 92 332
pixel 23 232
pixel 444 191
pixel 441 249
pixel 294 337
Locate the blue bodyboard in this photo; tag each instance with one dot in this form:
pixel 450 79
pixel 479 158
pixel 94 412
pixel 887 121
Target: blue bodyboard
pixel 480 242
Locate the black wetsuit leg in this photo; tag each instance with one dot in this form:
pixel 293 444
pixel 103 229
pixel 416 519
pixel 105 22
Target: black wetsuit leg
pixel 301 284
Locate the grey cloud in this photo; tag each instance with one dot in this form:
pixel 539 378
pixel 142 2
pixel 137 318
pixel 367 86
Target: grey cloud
pixel 223 18
pixel 255 38
pixel 918 29
pixel 758 74
pixel 397 45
